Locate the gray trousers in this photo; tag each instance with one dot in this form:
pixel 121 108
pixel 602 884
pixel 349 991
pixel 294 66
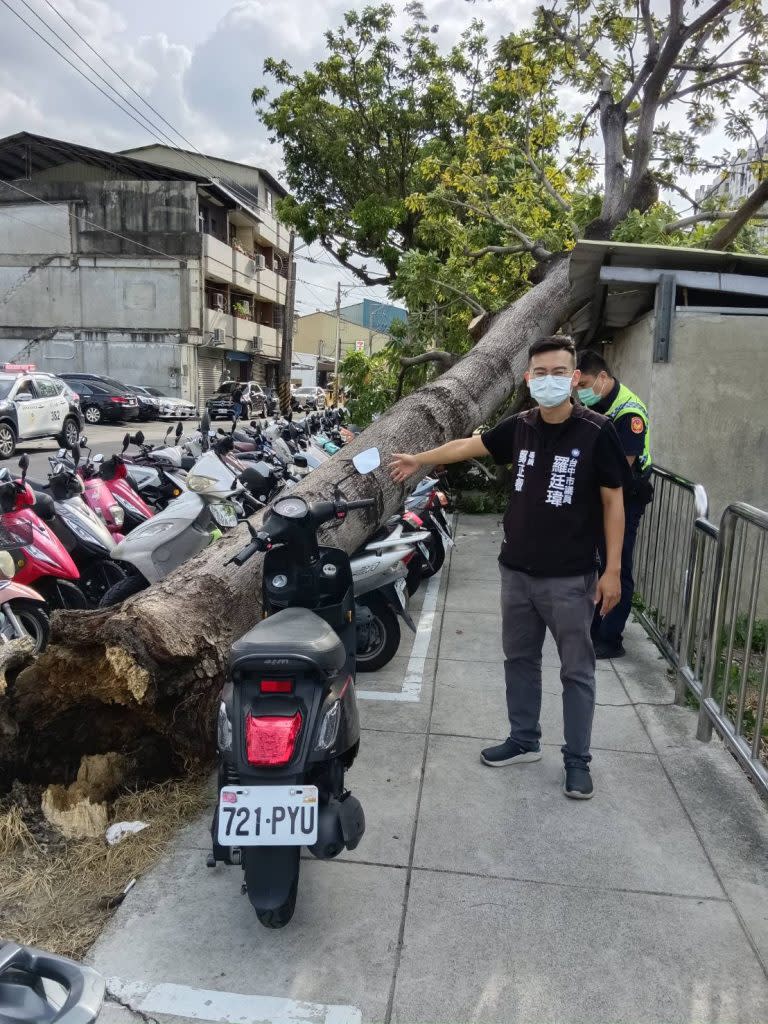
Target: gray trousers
pixel 565 605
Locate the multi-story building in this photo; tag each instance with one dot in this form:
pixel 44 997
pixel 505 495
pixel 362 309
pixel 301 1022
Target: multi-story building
pixel 314 343
pixel 161 268
pixel 738 181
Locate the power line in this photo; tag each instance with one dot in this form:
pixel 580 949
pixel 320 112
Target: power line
pixel 146 123
pixel 74 66
pixel 118 75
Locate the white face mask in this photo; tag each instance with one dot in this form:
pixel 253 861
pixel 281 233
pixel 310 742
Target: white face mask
pixel 550 391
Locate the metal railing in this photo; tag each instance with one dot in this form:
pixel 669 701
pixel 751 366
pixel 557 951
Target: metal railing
pixel 691 597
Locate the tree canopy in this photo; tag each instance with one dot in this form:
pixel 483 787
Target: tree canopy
pixel 468 173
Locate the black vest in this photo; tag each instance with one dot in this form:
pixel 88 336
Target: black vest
pixel 555 517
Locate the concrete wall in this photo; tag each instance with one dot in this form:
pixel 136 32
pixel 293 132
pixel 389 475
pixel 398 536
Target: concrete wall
pixel 161 361
pixel 709 412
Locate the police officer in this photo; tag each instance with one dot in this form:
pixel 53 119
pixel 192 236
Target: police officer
pixel 567 491
pixel 604 393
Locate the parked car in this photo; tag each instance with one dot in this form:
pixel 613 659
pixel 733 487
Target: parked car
pixel 147 405
pixel 102 402
pixel 310 398
pixel 254 400
pixel 169 407
pixel 35 405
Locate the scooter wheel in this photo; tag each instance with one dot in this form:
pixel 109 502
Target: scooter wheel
pixel 433 564
pixel 34 622
pixel 385 636
pixel 122 590
pixel 280 917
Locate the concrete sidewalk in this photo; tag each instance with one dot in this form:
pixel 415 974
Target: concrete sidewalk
pixel 480 894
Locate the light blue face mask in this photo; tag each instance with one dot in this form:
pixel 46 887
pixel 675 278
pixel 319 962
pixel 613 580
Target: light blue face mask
pixel 588 396
pixel 550 391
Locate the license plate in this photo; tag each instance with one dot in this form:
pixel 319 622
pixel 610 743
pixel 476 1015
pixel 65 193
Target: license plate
pixel 401 590
pixel 268 816
pixel 224 515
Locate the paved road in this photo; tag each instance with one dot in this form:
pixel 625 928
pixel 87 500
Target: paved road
pixel 482 894
pixel 104 439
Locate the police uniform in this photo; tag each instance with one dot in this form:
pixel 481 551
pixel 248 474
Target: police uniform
pixel 629 416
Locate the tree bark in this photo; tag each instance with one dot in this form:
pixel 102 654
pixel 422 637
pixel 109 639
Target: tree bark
pixel 144 678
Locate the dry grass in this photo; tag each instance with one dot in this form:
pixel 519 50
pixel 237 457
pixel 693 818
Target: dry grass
pixel 60 895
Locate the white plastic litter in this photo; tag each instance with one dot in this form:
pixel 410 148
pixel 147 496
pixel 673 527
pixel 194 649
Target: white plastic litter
pixel 121 829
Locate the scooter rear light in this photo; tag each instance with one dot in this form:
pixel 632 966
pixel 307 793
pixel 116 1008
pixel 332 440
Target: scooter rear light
pixel 413 519
pixel 276 686
pixel 270 740
pixel 442 498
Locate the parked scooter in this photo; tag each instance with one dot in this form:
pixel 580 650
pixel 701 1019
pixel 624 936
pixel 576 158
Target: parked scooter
pixel 22 609
pixel 379 572
pixel 44 988
pixel 82 532
pixel 288 725
pixel 96 494
pixel 189 524
pixel 41 558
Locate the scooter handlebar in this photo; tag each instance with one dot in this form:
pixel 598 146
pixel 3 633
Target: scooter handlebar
pixel 349 506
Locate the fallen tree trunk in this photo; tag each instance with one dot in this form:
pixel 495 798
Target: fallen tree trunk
pixel 144 677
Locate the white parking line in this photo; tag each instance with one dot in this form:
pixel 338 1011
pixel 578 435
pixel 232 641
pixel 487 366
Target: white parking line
pixel 227 1007
pixel 414 673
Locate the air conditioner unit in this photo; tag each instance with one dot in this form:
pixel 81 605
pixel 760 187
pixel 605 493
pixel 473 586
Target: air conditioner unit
pixel 219 298
pixel 259 262
pixel 218 336
pixel 256 343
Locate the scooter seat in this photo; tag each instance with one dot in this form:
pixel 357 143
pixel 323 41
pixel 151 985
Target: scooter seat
pixel 293 634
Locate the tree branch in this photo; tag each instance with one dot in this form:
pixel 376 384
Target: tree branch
pixel 498 250
pixel 650 38
pixel 436 355
pixel 541 175
pixel 473 304
pixel 748 209
pixel 433 355
pixel 708 215
pixel 537 251
pixel 706 18
pixel 359 272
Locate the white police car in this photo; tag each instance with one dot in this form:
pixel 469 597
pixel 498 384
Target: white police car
pixel 35 405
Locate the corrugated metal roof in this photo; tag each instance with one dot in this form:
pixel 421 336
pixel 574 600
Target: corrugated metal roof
pixel 610 307
pixel 267 175
pixel 24 154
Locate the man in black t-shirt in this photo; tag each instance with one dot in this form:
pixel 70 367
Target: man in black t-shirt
pixel 569 471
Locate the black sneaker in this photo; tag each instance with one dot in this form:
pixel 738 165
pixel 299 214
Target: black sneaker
pixel 577 782
pixel 509 752
pixel 604 651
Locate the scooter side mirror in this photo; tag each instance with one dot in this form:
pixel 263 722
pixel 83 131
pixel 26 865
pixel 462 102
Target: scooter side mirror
pixel 126 441
pixel 83 441
pixel 24 465
pixel 367 461
pixel 179 430
pixel 168 433
pixel 139 437
pixel 76 454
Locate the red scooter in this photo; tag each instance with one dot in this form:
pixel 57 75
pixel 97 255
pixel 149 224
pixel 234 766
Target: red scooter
pixel 41 559
pixel 107 490
pixel 22 609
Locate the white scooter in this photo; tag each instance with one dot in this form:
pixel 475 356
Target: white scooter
pixel 212 503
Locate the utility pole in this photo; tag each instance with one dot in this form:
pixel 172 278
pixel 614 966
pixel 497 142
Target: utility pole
pixel 338 344
pixel 286 353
